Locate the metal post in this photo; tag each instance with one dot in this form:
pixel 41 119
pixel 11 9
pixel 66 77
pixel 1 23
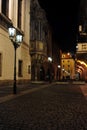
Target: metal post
pixel 14 86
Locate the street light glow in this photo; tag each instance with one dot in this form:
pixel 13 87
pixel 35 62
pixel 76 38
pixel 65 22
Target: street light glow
pixel 50 59
pixel 59 66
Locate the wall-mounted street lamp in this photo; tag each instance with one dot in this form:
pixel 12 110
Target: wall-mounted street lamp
pixel 16 39
pixel 49 59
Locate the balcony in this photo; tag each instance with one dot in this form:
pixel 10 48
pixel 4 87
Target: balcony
pixel 37 47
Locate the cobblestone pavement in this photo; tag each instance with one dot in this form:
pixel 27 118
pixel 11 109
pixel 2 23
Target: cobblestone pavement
pixel 54 107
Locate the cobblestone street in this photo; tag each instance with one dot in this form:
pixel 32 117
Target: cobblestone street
pixel 52 107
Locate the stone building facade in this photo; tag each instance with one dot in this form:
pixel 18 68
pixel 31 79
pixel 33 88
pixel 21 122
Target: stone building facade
pixel 40 41
pixel 14 13
pixel 67 66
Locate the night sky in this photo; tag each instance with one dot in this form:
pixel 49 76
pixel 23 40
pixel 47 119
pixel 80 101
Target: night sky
pixel 63 17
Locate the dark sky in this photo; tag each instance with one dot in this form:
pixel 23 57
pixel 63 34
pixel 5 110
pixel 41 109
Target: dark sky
pixel 63 17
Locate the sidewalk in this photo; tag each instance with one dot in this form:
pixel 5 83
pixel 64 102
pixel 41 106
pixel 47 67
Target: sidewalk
pixel 6 92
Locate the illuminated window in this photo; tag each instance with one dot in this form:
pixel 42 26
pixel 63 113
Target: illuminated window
pixel 63 56
pixel 83 47
pixel 5 7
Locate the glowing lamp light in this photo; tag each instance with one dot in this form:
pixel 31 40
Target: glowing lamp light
pixel 19 38
pixel 12 32
pixel 80 28
pixel 50 59
pixel 59 66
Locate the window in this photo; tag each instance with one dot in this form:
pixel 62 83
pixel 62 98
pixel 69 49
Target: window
pixel 68 71
pixel 5 7
pixel 63 66
pixel 29 69
pixel 68 66
pixel 83 46
pixel 19 13
pixel 0 64
pixel 32 30
pixel 20 64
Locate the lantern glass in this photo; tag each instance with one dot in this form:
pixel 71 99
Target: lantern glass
pixel 18 38
pixel 12 32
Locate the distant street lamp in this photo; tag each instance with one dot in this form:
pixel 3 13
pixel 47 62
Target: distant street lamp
pixel 16 39
pixel 59 68
pixel 49 59
pixel 49 69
